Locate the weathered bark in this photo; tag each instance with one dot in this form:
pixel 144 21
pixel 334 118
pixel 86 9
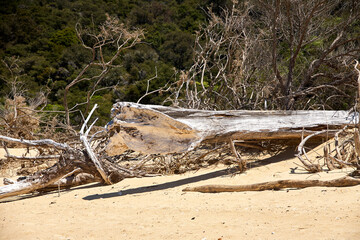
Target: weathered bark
pixel 276 185
pixel 157 129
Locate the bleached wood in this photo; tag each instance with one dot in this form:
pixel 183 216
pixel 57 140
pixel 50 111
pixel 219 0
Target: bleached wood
pixel 37 181
pixel 43 142
pixel 19 188
pixel 32 158
pixel 159 129
pixel 92 155
pixel 309 166
pixel 69 162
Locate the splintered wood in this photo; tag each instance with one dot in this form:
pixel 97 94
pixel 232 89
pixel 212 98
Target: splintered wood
pixel 148 131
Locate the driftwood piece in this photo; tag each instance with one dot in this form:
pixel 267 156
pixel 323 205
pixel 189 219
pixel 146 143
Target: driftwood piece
pixel 74 179
pixel 276 185
pixel 158 129
pixel 338 153
pixel 37 143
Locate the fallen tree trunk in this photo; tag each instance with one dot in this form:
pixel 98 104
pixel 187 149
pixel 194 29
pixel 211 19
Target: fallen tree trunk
pixel 158 129
pixel 276 185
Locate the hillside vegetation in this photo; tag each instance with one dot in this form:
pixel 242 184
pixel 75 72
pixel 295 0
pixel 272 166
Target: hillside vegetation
pixel 250 54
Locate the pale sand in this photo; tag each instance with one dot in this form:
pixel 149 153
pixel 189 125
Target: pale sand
pixel 156 208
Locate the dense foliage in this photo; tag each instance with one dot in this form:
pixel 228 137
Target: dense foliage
pixel 275 54
pixel 42 53
pixel 41 35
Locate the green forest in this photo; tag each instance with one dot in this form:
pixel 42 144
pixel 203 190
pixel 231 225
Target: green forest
pixel 64 56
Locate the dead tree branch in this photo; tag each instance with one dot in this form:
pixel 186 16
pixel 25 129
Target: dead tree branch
pixel 111 34
pixel 90 152
pixel 276 185
pixel 37 143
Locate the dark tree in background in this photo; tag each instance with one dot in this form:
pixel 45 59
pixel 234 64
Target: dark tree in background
pixel 275 55
pixel 313 47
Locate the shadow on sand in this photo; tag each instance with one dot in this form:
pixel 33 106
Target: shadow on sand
pixel 288 153
pixel 36 194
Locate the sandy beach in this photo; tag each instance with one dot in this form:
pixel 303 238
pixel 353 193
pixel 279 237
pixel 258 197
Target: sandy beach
pixel 157 208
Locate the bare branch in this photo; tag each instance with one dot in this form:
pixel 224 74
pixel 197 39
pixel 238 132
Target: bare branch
pixel 92 155
pixel 147 93
pixel 111 33
pixel 276 185
pixel 43 142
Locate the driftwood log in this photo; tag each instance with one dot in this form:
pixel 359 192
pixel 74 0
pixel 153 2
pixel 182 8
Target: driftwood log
pixel 153 129
pixel 346 181
pixel 159 129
